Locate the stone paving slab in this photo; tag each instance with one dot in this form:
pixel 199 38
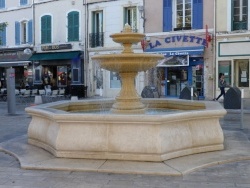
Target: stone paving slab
pixel 31 157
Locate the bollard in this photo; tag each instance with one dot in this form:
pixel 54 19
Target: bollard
pixel 242 109
pixel 38 99
pixel 192 93
pixel 74 98
pixel 11 95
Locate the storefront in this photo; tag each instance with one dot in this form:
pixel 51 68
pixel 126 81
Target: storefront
pixel 18 59
pixel 64 68
pixel 183 64
pixel 233 60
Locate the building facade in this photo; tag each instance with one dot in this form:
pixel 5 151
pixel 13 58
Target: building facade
pixel 106 18
pixel 233 42
pixel 184 34
pixel 17 40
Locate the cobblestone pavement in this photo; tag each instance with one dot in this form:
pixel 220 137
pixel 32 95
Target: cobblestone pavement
pixel 236 174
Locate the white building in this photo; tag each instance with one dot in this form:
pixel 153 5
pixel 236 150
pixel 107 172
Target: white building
pixel 104 19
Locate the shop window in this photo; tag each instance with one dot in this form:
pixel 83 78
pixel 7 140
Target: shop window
pixel 115 81
pixel 130 17
pixel 241 75
pixel 46 29
pixel 2 4
pixel 182 14
pixel 38 76
pixel 73 26
pixel 225 68
pixel 75 75
pixel 62 76
pixel 239 14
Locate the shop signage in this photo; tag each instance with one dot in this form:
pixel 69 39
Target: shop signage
pixel 56 47
pixel 13 56
pixel 178 38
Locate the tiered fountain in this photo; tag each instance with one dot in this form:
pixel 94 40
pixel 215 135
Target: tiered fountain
pixel 127 133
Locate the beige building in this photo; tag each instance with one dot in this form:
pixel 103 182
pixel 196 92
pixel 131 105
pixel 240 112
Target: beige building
pixel 233 43
pixel 183 32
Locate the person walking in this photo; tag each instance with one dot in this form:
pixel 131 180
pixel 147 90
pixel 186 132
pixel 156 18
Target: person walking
pixel 222 85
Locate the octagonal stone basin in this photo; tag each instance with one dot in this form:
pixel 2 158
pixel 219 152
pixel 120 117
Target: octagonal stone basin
pixel 193 128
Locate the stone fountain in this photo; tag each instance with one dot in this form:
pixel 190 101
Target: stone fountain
pixel 128 64
pixel 76 129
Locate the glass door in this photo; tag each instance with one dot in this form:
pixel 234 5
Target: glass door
pixel 241 73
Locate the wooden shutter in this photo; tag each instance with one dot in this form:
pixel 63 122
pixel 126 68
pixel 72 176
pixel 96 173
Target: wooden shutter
pixel 167 15
pixel 17 33
pixel 30 32
pixel 197 17
pixel 2 3
pixel 46 29
pixel 73 26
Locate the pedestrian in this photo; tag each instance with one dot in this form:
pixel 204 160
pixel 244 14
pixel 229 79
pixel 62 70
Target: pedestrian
pixel 222 85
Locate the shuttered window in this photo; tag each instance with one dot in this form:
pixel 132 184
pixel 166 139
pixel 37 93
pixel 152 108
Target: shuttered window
pixel 46 29
pixel 73 26
pixel 30 32
pixel 182 14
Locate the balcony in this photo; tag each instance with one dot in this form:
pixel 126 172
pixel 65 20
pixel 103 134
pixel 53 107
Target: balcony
pixel 182 28
pixel 240 25
pixel 96 39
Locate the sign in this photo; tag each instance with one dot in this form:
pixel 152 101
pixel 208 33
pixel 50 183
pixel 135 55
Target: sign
pixel 179 39
pixel 175 60
pixel 56 47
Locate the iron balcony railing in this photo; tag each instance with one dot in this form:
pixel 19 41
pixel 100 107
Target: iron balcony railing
pixel 240 25
pixel 96 39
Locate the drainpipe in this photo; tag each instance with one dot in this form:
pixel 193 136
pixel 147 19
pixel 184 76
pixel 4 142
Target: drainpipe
pixel 215 48
pixel 86 44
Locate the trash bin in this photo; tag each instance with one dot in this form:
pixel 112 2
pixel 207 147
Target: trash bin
pixel 149 92
pixel 232 98
pixel 78 90
pixel 186 93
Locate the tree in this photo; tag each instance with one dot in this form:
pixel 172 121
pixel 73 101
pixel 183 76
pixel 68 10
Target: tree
pixel 2 27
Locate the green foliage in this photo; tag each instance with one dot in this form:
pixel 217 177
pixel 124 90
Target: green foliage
pixel 2 26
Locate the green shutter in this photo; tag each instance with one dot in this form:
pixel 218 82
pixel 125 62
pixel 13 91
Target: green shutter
pixel 73 26
pixel 46 29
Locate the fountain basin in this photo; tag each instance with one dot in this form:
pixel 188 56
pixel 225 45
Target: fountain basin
pixel 142 137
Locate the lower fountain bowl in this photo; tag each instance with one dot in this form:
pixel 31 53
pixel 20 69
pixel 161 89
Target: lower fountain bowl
pixel 63 130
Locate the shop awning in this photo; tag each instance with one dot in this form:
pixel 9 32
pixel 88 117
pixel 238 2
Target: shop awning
pixel 192 50
pixel 14 64
pixel 55 56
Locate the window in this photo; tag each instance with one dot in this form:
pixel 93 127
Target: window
pixel 96 37
pixel 23 2
pixel 182 14
pixel 2 36
pixel 241 74
pixel 23 32
pixel 225 68
pixel 115 81
pixel 73 26
pixel 2 4
pixel 46 29
pixel 130 17
pixel 240 9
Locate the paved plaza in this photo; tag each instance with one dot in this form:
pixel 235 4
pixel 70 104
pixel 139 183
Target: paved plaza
pixel 25 166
